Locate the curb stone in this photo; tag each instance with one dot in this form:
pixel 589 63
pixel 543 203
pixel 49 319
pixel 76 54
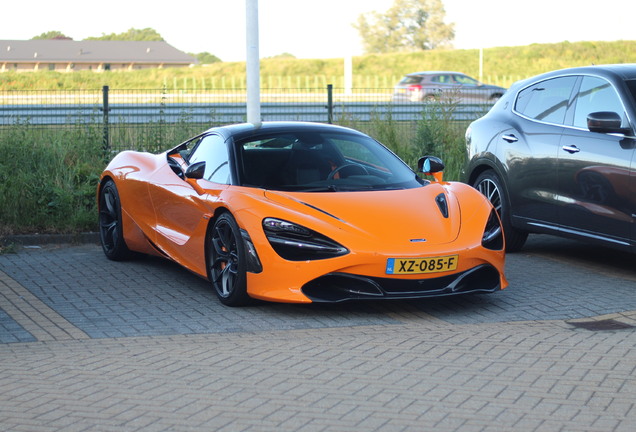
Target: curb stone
pixel 47 239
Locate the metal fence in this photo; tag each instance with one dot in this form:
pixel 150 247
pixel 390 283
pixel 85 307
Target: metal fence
pixel 155 119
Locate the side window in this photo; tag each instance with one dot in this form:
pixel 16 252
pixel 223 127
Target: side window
pixel 413 79
pixel 354 151
pixel 595 95
pixel 189 148
pixel 546 101
pixel 213 151
pixel 442 79
pixel 465 80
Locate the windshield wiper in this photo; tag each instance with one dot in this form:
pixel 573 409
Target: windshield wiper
pixel 329 188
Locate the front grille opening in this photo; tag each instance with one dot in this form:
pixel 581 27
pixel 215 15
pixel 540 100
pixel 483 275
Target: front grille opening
pixel 337 287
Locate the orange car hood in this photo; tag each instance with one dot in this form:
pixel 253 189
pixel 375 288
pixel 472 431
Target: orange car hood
pixel 395 216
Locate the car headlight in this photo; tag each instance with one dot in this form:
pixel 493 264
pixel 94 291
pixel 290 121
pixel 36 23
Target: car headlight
pixel 296 243
pixel 493 234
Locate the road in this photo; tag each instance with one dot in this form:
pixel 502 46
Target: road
pixel 90 344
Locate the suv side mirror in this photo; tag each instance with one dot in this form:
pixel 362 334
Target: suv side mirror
pixel 605 122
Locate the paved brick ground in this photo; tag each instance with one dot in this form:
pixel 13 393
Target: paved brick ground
pixel 88 344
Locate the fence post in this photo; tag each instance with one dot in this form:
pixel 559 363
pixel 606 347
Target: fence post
pixel 330 103
pixel 106 110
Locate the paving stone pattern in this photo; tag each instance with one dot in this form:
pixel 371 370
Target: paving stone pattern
pixel 90 344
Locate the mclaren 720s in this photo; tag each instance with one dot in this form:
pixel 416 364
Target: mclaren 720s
pixel 301 212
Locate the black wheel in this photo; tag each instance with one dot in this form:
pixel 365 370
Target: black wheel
pixel 489 184
pixel 227 262
pixel 110 226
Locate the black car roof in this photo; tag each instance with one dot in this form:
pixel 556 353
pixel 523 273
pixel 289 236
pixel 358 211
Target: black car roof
pixel 618 71
pixel 246 129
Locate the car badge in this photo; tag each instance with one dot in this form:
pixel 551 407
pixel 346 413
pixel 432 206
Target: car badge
pixel 421 240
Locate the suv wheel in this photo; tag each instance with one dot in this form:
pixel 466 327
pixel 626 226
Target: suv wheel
pixel 489 184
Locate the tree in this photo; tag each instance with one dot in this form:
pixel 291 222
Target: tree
pixel 409 25
pixel 132 34
pixel 206 58
pixel 53 34
pixel 284 55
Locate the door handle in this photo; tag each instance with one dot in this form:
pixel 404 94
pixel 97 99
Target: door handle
pixel 571 149
pixel 510 138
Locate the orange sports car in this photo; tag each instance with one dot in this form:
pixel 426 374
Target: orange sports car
pixel 301 212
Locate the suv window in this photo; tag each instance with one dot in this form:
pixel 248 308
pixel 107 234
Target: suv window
pixel 595 95
pixel 546 101
pixel 631 85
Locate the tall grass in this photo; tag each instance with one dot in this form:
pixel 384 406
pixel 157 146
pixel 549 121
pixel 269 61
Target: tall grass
pixel 49 175
pixel 48 178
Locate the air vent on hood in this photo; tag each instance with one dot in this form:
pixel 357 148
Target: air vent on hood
pixel 442 204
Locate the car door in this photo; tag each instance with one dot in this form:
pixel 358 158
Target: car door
pixel 531 148
pixel 182 210
pixel 596 170
pixel 442 86
pixel 469 89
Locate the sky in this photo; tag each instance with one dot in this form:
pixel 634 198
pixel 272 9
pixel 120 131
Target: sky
pixel 315 29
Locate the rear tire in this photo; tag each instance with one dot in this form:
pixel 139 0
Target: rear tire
pixel 489 184
pixel 111 233
pixel 227 262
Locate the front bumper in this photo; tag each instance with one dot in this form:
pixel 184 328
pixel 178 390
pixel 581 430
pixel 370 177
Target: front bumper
pixel 338 287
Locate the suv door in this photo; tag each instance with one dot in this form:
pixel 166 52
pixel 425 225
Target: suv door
pixel 532 148
pixel 595 169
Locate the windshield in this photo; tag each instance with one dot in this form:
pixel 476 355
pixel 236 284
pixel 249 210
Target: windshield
pixel 321 162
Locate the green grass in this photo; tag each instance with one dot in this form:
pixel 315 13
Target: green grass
pixel 49 175
pixel 48 178
pixel 7 248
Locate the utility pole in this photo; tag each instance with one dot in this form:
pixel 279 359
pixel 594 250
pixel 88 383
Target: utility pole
pixel 253 64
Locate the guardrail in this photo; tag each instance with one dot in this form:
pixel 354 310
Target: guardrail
pixel 111 109
pixel 38 115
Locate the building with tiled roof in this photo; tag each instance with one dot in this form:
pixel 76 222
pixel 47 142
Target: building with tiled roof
pixel 95 55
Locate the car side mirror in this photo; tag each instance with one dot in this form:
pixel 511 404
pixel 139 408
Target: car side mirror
pixel 431 165
pixel 605 122
pixel 195 171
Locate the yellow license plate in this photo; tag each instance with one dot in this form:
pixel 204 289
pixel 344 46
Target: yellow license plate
pixel 421 265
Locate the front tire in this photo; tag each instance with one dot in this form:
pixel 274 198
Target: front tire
pixel 227 261
pixel 111 233
pixel 489 184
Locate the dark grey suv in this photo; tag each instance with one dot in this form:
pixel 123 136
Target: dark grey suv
pixel 436 85
pixel 557 155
